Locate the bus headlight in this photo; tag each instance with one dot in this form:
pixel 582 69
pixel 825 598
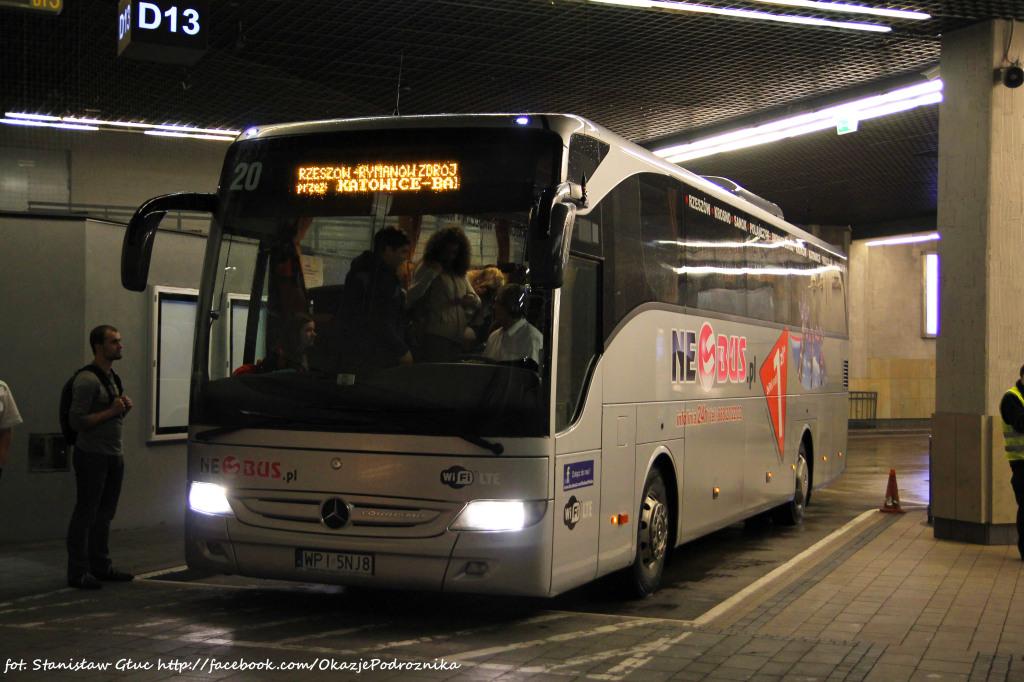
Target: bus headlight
pixel 208 498
pixel 498 515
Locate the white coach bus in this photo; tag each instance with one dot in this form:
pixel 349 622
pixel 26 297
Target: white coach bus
pixel 692 372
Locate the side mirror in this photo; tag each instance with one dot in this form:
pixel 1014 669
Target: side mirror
pixel 549 253
pixel 137 249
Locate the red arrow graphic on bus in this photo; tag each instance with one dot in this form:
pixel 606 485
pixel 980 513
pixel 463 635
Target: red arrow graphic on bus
pixel 773 382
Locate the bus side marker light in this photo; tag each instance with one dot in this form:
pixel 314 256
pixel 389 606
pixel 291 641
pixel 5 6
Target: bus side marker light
pixel 620 519
pixel 768 477
pixel 793 466
pixel 476 568
pixel 824 458
pixel 715 492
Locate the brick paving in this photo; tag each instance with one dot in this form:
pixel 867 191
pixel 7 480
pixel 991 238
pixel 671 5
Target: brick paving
pixel 888 603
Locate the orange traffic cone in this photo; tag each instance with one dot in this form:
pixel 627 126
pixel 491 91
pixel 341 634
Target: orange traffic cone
pixel 892 496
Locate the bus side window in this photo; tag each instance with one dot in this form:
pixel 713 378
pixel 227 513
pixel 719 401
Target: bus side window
pixel 625 286
pixel 579 337
pixel 714 259
pixel 660 230
pixel 585 155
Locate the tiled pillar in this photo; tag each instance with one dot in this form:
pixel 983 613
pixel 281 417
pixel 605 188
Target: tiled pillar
pixel 981 344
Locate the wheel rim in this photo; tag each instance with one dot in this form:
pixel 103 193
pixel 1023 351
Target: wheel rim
pixel 654 537
pixel 800 495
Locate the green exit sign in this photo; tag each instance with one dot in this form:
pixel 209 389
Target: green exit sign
pixel 846 124
pixel 47 6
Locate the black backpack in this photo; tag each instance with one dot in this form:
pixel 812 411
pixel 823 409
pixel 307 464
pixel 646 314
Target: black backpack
pixel 70 435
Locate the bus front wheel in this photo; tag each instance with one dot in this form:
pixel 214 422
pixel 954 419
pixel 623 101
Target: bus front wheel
pixel 652 539
pixel 792 512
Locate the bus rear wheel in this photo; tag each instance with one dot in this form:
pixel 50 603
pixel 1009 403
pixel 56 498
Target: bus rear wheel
pixel 792 512
pixel 652 537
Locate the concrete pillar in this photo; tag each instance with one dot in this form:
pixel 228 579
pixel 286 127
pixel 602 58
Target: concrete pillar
pixel 981 343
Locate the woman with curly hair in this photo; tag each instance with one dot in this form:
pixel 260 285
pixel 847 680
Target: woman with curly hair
pixel 486 282
pixel 441 298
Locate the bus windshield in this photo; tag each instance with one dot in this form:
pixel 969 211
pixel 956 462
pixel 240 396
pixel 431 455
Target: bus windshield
pixel 377 282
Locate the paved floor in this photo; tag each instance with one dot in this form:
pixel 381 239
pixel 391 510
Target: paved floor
pixel 853 596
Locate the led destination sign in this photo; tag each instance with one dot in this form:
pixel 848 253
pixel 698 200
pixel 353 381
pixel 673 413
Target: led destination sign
pixel 48 6
pixel 414 176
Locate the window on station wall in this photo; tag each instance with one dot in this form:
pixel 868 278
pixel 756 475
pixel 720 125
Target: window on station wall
pixel 714 257
pixel 930 293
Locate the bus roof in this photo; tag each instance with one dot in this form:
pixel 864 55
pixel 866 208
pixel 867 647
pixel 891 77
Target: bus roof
pixel 564 124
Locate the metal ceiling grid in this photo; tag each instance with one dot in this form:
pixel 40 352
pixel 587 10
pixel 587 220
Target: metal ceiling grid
pixel 887 171
pixel 647 75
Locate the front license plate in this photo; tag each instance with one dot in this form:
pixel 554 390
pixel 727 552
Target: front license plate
pixel 334 562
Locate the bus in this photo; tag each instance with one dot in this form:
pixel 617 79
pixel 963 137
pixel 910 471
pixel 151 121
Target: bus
pixel 691 370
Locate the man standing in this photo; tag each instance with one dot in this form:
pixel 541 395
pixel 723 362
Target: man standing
pixel 97 412
pixel 1012 410
pixel 373 306
pixel 9 418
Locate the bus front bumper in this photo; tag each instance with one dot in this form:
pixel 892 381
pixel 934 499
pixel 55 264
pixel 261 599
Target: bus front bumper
pixel 516 563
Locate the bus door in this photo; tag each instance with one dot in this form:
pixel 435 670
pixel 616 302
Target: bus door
pixel 578 397
pixel 618 464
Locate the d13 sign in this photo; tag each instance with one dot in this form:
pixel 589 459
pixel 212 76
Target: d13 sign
pixel 162 30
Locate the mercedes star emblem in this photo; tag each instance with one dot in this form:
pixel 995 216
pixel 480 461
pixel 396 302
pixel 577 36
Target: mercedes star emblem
pixel 334 513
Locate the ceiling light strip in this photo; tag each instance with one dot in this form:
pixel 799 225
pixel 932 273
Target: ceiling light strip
pixel 902 99
pixel 851 9
pixel 746 14
pixel 95 123
pixel 46 124
pixel 904 239
pixel 194 136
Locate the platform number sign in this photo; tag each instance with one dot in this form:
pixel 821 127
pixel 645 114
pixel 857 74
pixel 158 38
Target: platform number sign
pixel 774 370
pixel 168 31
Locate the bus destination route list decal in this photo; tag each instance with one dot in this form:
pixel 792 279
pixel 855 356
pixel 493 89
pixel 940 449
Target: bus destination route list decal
pixel 436 176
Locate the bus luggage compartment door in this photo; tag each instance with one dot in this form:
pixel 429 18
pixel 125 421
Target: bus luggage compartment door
pixel 618 464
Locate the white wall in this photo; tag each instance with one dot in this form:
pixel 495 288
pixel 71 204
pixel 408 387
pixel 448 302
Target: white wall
pixel 59 279
pixel 887 351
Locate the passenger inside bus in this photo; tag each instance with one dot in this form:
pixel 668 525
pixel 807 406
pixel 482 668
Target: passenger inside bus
pixel 441 300
pixel 515 339
pixel 297 344
pixel 486 282
pixel 372 316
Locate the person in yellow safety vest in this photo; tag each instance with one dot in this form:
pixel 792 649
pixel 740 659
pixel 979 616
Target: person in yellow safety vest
pixel 1012 411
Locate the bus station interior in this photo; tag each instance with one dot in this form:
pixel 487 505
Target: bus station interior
pixel 932 187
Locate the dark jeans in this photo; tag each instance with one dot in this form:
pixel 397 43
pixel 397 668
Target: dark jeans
pixel 98 479
pixel 1017 481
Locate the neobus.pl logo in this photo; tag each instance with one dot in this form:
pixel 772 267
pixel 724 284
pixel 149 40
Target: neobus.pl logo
pixel 708 357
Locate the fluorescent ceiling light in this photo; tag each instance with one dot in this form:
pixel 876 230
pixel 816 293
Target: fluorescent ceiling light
pixel 77 123
pixel 902 99
pixel 33 117
pixel 770 270
pixel 782 243
pixel 170 133
pixel 46 124
pixel 904 239
pixel 851 9
pixel 745 14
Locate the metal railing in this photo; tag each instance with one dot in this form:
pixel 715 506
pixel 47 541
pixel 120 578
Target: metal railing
pixel 863 408
pixel 176 221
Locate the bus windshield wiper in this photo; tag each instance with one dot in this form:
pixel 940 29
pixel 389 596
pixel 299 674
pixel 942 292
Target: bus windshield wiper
pixel 496 448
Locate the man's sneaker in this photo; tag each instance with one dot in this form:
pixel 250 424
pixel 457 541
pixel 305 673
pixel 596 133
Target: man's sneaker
pixel 86 581
pixel 115 576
